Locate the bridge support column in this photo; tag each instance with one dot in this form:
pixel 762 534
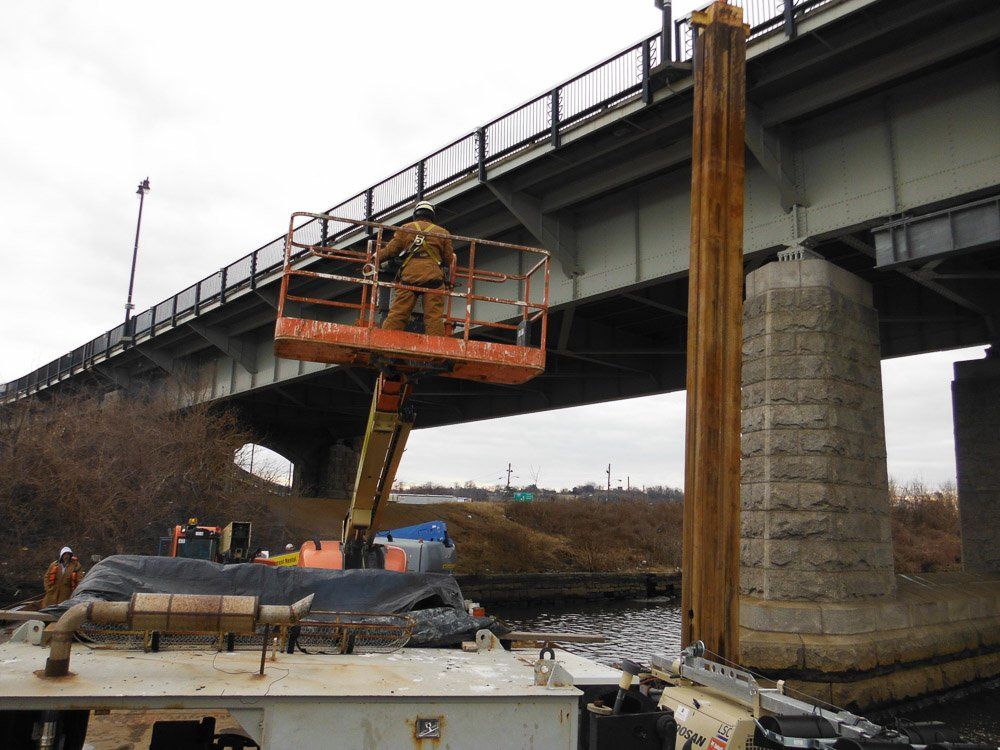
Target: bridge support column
pixel 327 471
pixel 815 519
pixel 821 607
pixel 975 396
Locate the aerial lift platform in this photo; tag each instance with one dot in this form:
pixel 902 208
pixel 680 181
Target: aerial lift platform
pixel 334 316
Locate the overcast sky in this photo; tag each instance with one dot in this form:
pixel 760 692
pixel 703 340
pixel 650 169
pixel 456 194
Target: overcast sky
pixel 241 114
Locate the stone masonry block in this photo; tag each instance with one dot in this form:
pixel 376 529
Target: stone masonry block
pixel 817 555
pixel 814 416
pixel 752 495
pixel 803 468
pixel 777 391
pixel 776 344
pixel 751 581
pixel 824 497
pixel 752 524
pixel 805 586
pixel 751 552
pixel 837 653
pixel 754 469
pixel 780 617
pixel 752 444
pixel 848 619
pixel 770 651
pixel 798 525
pixel 784 553
pixel 823 442
pixel 780 442
pixel 782 495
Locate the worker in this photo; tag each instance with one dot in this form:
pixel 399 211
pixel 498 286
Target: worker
pixel 62 578
pixel 426 261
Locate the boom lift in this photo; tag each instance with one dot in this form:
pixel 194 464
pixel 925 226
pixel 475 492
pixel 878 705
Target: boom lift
pixel 488 339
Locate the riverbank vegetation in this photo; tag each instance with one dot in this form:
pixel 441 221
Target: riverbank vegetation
pixel 925 528
pixel 112 477
pixel 517 537
pixel 109 477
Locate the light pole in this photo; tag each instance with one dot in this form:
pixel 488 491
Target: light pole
pixel 141 192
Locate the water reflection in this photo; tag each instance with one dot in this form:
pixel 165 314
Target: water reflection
pixel 639 629
pixel 633 629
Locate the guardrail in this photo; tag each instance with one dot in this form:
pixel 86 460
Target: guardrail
pixel 620 78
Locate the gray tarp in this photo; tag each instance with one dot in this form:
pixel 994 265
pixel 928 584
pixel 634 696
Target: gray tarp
pixel 116 578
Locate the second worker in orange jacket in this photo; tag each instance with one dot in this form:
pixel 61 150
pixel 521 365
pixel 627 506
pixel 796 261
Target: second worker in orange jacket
pixel 426 260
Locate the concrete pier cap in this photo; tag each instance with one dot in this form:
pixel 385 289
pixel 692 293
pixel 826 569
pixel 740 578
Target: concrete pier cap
pixel 821 603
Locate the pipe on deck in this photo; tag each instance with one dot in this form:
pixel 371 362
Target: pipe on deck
pixel 57 663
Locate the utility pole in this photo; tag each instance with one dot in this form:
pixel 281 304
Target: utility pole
pixel 710 561
pixel 608 472
pixel 509 470
pixel 141 192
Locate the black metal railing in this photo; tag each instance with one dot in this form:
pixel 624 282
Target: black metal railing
pixel 618 79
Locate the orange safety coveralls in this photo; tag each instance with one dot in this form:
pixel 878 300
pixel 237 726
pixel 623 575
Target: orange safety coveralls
pixel 424 267
pixel 60 582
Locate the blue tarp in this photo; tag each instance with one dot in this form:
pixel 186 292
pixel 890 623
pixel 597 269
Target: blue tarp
pixel 432 531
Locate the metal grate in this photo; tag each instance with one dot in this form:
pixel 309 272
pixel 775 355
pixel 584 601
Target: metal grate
pixel 331 633
pixel 353 632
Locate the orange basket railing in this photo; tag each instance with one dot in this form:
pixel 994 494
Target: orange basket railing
pixel 334 238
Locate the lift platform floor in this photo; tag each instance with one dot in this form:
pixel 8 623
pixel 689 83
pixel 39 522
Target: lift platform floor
pixel 337 343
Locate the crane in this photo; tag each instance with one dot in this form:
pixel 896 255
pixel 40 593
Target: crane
pixel 328 314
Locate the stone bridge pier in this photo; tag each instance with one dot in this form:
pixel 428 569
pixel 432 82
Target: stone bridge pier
pixel 821 601
pixel 321 466
pixel 327 470
pixel 976 409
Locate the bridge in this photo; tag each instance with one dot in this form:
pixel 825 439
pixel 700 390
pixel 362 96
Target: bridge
pixel 869 123
pixel 872 225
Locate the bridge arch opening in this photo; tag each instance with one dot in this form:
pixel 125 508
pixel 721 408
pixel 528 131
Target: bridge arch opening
pixel 265 468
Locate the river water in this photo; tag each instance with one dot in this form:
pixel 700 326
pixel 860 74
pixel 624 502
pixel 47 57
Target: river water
pixel 638 629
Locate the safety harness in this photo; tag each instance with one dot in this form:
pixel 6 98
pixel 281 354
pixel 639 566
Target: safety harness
pixel 419 248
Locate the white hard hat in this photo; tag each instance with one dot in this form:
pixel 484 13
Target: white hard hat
pixel 424 206
pixel 63 551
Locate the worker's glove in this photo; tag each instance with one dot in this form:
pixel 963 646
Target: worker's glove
pixel 368 269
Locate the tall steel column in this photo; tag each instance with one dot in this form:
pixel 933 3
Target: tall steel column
pixel 710 584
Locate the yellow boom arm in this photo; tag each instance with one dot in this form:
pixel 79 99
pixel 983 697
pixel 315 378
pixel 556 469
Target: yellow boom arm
pixel 389 424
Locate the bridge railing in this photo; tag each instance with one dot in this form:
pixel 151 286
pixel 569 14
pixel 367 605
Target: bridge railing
pixel 544 119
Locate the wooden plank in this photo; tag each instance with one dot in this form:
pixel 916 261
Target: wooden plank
pixel 710 557
pixel 523 635
pixel 22 615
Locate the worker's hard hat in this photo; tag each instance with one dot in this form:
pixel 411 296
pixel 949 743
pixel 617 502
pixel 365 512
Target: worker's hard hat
pixel 424 206
pixel 64 550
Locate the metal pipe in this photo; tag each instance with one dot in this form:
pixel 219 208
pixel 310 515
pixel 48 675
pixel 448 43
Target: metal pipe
pixel 47 737
pixel 285 614
pixel 176 612
pixel 629 670
pixel 57 665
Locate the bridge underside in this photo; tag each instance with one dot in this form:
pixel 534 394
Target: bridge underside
pixel 873 112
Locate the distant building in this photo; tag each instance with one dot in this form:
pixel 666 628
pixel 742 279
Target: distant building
pixel 408 499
